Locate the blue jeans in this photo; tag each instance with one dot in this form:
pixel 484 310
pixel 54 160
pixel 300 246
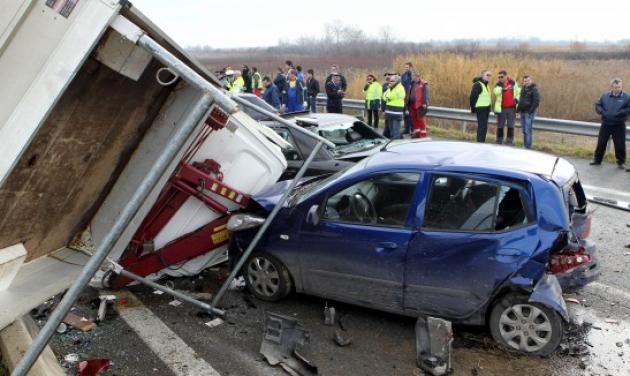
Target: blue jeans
pixel 392 122
pixel 312 104
pixel 527 124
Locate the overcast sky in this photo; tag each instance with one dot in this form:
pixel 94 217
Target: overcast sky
pixel 222 24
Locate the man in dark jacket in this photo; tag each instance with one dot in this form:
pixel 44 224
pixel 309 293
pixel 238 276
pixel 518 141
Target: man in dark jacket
pixel 614 108
pixel 247 78
pixel 334 94
pixel 312 89
pixel 271 94
pixel 280 81
pixel 405 80
pixel 527 107
pixel 480 102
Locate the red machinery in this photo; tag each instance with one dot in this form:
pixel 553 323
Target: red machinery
pixel 189 179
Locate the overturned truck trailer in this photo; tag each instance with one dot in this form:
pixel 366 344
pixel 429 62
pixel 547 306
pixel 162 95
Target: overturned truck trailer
pixel 92 95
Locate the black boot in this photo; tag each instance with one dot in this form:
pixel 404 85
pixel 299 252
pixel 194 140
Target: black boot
pixel 510 136
pixel 499 135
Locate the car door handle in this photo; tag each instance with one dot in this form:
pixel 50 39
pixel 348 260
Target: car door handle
pixel 386 247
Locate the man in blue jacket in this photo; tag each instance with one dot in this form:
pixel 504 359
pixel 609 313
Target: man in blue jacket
pixel 271 94
pixel 406 80
pixel 614 108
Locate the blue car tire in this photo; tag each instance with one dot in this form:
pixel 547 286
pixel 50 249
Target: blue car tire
pixel 266 277
pixel 530 328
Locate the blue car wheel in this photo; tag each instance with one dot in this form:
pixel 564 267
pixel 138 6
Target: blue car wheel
pixel 530 328
pixel 266 277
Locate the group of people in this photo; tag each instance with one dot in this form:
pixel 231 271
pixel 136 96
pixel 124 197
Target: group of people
pixel 510 99
pixel 404 99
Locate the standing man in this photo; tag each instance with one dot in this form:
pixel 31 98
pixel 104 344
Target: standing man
pixel 335 86
pixel 527 106
pixel 271 94
pixel 480 102
pixel 373 91
pixel 418 105
pixel 614 108
pixel 506 93
pixel 257 84
pixel 394 99
pixel 281 80
pixel 312 89
pixel 238 84
pixel 405 80
pixel 293 95
pixel 386 76
pixel 247 79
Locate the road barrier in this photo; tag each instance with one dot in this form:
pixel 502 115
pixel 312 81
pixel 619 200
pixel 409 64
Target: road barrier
pixel 580 128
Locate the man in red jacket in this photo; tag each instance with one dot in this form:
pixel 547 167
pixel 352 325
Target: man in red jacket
pixel 417 105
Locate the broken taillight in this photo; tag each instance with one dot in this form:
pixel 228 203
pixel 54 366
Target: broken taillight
pixel 568 259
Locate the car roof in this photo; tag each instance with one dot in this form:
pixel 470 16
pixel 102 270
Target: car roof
pixel 327 120
pixel 473 157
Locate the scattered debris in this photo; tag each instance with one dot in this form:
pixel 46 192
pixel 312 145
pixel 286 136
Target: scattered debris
pixel 281 338
pixel 93 367
pixel 572 300
pixel 619 344
pixel 342 340
pixel 158 292
pixel 214 323
pixel 329 315
pixel 102 308
pixel 62 328
pixel 434 340
pixel 175 303
pixel 611 321
pixel 78 322
pixel 71 358
pixel 237 284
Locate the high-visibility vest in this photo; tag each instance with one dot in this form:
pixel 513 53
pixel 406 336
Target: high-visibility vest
pixel 373 93
pixel 237 86
pixel 394 99
pixel 498 94
pixel 257 81
pixel 484 97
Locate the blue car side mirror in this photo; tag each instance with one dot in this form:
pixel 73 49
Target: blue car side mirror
pixel 312 217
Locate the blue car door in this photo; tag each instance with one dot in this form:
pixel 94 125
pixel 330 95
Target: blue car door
pixel 357 252
pixel 475 234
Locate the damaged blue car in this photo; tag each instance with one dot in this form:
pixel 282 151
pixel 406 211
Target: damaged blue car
pixel 472 233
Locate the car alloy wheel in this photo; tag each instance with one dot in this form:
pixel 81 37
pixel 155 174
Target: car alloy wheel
pixel 525 328
pixel 263 276
pixel 266 277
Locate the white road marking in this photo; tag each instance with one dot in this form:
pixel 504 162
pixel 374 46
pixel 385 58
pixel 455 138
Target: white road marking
pixel 605 190
pixel 602 289
pixel 168 346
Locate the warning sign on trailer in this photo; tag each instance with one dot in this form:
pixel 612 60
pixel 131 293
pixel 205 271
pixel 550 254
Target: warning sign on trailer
pixel 63 7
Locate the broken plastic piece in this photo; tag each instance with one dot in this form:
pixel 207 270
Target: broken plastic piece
pixel 214 323
pixel 434 340
pixel 93 367
pixel 342 340
pixel 281 338
pixel 329 315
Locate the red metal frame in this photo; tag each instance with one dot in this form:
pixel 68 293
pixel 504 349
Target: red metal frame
pixel 201 180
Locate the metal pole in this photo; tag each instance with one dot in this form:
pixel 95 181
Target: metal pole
pixel 189 75
pixel 282 120
pixel 265 225
pixel 148 183
pixel 206 307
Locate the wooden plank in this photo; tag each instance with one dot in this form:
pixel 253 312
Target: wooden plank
pixel 16 339
pixel 11 258
pixel 79 322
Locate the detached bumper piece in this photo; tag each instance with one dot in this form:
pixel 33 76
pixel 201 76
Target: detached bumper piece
pixel 434 340
pixel 281 339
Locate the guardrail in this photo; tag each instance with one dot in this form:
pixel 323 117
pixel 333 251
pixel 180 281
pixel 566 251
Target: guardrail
pixel 580 128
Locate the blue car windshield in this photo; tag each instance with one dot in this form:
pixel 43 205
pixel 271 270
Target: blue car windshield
pixel 305 189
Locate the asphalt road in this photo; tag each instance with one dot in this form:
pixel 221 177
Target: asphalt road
pixel 148 335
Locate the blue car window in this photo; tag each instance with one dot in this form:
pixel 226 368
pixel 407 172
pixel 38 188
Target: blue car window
pixel 510 210
pixel 382 200
pixel 461 204
pixel 291 153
